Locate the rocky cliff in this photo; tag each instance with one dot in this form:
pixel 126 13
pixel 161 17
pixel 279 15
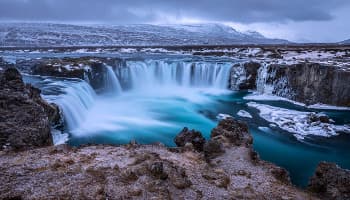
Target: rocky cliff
pixel 91 69
pixel 309 83
pixel 24 116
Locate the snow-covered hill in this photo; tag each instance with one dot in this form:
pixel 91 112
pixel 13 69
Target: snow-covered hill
pixel 45 34
pixel 345 42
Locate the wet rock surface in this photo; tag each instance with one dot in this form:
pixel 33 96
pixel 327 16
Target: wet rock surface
pixel 24 115
pixel 330 182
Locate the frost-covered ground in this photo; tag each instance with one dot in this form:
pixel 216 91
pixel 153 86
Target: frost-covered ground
pixel 300 124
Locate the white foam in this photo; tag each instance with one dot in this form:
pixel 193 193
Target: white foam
pixel 58 137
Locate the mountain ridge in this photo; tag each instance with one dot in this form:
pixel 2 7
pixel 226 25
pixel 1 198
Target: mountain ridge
pixel 50 34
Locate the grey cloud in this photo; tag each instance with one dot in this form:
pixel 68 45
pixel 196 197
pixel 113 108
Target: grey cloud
pixel 148 11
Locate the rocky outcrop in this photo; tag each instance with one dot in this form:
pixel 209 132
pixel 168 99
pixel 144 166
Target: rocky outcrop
pixel 148 171
pixel 24 115
pixel 236 132
pixel 309 83
pixel 330 182
pixel 243 76
pixel 5 65
pixel 190 136
pixel 91 69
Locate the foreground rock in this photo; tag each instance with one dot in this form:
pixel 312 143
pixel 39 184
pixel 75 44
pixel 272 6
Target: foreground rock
pixel 330 182
pixel 192 137
pixel 227 169
pixel 24 115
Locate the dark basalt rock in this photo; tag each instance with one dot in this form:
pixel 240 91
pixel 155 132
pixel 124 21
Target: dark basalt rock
pixel 250 73
pixel 92 69
pixel 24 115
pixel 319 118
pixel 281 174
pixel 251 69
pixel 57 70
pixel 311 83
pixel 235 131
pixel 190 136
pixel 213 148
pixel 5 65
pixel 330 182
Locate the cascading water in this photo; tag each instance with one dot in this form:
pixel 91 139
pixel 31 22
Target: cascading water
pixel 73 96
pixel 268 83
pixel 238 76
pixel 262 84
pixel 147 74
pixel 112 84
pixel 75 102
pixel 144 92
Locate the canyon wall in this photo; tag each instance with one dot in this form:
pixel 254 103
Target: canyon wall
pixel 309 83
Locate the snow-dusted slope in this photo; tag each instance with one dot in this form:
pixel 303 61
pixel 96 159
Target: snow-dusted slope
pixel 44 34
pixel 346 41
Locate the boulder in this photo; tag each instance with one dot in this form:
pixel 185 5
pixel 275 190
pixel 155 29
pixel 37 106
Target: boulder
pixel 330 182
pixel 190 136
pixel 213 148
pixel 235 131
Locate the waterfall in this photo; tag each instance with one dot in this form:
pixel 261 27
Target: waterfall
pixel 268 82
pixel 155 73
pixel 112 84
pixel 263 85
pixel 76 99
pixel 238 76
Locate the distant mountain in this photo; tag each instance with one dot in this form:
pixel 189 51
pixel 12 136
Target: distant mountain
pixel 345 42
pixel 46 34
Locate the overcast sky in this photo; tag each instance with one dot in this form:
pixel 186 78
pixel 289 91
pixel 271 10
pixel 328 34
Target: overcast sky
pixel 296 20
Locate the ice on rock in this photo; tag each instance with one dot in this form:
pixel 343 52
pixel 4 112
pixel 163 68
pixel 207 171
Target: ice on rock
pixel 243 113
pixel 301 124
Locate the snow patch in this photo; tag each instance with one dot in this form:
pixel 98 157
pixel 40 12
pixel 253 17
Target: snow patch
pixel 327 107
pixel 243 113
pixel 297 122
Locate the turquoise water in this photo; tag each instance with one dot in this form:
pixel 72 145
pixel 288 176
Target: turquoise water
pixel 151 118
